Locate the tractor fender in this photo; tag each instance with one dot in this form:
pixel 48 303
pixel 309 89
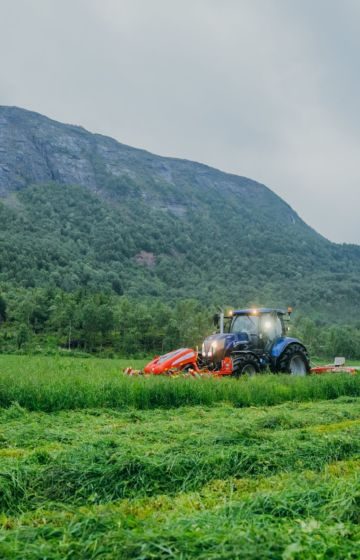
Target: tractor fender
pixel 281 344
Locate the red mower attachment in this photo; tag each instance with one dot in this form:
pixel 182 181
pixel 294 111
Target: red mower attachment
pixel 181 361
pixel 332 369
pixel 337 367
pixel 184 358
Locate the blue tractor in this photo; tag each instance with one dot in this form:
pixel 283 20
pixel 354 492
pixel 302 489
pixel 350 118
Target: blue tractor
pixel 255 340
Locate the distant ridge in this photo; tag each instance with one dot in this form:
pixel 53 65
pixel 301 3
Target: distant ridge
pixel 81 210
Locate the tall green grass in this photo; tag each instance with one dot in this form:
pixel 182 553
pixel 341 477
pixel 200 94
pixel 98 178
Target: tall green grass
pixel 51 384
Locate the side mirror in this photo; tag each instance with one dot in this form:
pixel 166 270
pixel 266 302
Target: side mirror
pixel 216 319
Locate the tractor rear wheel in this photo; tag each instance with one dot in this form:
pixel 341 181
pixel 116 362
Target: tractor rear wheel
pixel 245 364
pixel 294 360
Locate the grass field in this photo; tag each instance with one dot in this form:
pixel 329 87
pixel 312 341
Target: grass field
pixel 95 465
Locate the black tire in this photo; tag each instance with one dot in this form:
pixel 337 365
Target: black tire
pixel 294 360
pixel 245 364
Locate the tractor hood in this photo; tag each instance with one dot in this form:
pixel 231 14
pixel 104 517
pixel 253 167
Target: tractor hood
pixel 216 346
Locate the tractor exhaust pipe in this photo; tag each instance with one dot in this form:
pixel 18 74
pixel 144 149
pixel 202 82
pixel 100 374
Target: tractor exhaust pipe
pixel 221 322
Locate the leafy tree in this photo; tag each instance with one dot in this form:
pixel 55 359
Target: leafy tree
pixel 2 309
pixel 22 336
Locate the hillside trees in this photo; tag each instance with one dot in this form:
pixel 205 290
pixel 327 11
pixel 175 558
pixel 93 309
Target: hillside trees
pixel 220 248
pixel 328 341
pixel 42 319
pixel 2 309
pixel 97 322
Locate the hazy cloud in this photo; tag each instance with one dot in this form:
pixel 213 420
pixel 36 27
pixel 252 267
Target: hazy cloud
pixel 263 88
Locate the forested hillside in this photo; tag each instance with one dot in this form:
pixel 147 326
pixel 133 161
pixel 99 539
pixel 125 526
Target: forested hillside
pixel 80 212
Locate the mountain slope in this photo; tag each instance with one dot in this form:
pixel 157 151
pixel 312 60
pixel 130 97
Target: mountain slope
pixel 81 210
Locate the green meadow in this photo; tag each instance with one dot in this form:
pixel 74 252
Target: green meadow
pixel 94 464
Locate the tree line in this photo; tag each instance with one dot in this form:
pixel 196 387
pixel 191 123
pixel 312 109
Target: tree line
pixel 49 320
pixel 98 323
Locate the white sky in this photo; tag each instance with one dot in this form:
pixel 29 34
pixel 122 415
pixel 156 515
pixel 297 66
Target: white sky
pixel 268 89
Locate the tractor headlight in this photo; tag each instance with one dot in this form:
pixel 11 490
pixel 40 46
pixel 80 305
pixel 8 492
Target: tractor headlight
pixel 211 350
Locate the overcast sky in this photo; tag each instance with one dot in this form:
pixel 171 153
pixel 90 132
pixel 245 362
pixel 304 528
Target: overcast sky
pixel 269 89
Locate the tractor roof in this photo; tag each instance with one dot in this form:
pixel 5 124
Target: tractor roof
pixel 259 311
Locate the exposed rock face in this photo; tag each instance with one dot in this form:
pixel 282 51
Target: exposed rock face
pixel 145 258
pixel 36 150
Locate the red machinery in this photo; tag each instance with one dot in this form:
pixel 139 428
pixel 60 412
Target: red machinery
pixel 332 369
pixel 184 359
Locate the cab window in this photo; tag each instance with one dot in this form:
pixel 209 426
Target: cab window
pixel 271 326
pixel 245 324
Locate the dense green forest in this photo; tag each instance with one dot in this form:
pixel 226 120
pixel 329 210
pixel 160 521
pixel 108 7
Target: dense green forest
pixel 57 236
pixel 50 321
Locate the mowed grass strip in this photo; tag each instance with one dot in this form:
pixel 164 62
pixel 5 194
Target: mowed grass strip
pixel 76 458
pixel 293 515
pixel 53 384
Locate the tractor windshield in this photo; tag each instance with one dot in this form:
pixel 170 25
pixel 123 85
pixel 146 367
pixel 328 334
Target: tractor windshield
pixel 245 324
pixel 267 325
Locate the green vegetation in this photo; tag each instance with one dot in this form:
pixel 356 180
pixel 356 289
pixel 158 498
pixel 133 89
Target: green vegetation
pixel 120 477
pixel 126 253
pixel 123 251
pixel 51 385
pixel 57 236
pixel 52 322
pixel 49 320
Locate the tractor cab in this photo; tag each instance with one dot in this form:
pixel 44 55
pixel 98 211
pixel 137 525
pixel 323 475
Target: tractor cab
pixel 255 339
pixel 262 326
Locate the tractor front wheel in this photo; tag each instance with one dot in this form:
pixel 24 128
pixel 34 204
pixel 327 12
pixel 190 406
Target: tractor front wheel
pixel 245 364
pixel 294 360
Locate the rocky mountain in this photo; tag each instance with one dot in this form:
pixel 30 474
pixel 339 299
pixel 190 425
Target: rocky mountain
pixel 82 210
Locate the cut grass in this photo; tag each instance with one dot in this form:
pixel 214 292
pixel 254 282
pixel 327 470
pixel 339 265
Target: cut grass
pixel 125 462
pixel 87 474
pixel 217 482
pixel 246 518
